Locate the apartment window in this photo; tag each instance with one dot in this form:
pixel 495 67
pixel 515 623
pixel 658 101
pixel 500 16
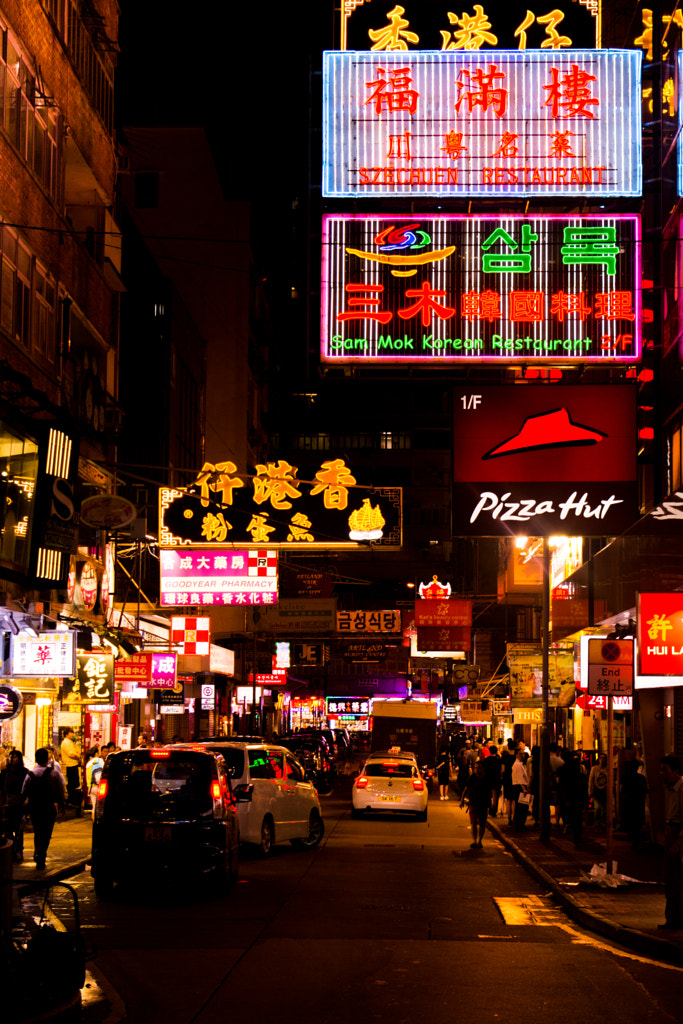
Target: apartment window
pixel 27 116
pixel 44 314
pixel 15 288
pixel 352 441
pixel 388 440
pixel 312 442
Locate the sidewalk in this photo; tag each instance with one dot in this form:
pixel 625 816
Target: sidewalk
pixel 67 854
pixel 628 915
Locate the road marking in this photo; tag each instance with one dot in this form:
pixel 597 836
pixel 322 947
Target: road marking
pixel 539 910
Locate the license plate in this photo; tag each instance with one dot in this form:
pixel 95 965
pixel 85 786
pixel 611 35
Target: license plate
pixel 391 799
pixel 157 833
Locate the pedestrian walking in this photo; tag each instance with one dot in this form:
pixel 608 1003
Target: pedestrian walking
pixel 493 769
pixel 93 773
pixel 574 796
pixel 520 788
pixel 507 756
pixel 633 795
pixel 597 789
pixel 478 795
pixel 670 774
pixel 463 771
pixel 71 759
pixel 44 793
pixel 12 780
pixel 443 771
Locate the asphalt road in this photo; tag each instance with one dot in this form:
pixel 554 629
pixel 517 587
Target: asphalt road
pixel 389 920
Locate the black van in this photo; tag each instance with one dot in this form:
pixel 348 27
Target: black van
pixel 164 814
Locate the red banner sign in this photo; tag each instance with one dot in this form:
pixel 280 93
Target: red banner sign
pixel 444 638
pixel 443 613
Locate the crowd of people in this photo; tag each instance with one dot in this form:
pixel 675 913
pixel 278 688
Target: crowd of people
pixel 504 780
pixel 34 797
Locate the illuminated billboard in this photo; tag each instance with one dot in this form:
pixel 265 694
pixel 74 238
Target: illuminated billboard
pixel 538 461
pixel 274 507
pixel 434 25
pixel 216 576
pixel 482 123
pixel 456 288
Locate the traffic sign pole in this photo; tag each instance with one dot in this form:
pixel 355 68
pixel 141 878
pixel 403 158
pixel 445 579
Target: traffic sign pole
pixel 609 841
pixel 544 775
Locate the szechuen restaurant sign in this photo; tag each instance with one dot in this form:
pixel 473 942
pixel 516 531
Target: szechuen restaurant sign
pixel 482 123
pixel 458 288
pixel 274 508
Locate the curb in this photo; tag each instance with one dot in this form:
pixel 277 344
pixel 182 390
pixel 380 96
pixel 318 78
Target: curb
pixel 26 888
pixel 640 942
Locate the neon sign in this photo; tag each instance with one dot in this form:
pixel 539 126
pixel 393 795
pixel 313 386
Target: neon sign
pixel 468 123
pixel 274 507
pixel 456 288
pixel 214 576
pixel 414 24
pixel 542 461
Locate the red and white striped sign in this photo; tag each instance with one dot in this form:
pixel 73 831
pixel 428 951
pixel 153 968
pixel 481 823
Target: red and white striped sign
pixel 190 634
pixel 262 563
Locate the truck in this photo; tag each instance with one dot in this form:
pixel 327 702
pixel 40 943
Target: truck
pixel 410 725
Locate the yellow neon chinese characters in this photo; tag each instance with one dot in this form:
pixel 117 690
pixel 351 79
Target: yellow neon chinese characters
pixel 276 482
pixel 259 529
pixel 299 528
pixel 224 485
pixel 473 32
pixel 395 35
pixel 334 477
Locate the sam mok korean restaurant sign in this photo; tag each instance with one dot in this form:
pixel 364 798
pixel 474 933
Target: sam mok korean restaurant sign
pixel 482 123
pixel 456 288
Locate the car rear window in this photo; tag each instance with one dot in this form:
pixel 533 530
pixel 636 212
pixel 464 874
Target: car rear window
pixel 399 769
pixel 234 760
pixel 171 788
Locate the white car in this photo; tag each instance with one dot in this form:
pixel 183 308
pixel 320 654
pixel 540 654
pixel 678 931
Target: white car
pixel 276 801
pixel 390 783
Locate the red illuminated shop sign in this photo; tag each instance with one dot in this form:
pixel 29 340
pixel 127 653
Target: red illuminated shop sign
pixel 451 288
pixel 660 634
pixel 537 460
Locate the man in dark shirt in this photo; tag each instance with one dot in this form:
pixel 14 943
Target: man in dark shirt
pixel 478 795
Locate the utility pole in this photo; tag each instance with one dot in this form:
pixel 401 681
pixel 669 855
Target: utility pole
pixel 544 780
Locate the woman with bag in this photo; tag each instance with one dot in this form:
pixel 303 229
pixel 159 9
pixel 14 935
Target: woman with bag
pixel 93 773
pixel 520 787
pixel 12 780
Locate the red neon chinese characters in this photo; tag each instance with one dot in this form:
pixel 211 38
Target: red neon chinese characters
pixel 382 317
pixel 560 144
pixel 507 145
pixel 569 94
pixel 479 91
pixel 563 305
pixel 527 306
pixel 480 305
pixel 614 306
pixel 393 93
pixel 454 146
pixel 426 305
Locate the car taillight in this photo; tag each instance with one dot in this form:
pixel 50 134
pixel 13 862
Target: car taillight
pixel 102 790
pixel 361 782
pixel 159 753
pixel 418 784
pixel 217 797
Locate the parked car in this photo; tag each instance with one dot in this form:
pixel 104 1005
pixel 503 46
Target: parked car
pixel 164 813
pixel 390 783
pixel 314 754
pixel 343 742
pixel 276 799
pixel 327 735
